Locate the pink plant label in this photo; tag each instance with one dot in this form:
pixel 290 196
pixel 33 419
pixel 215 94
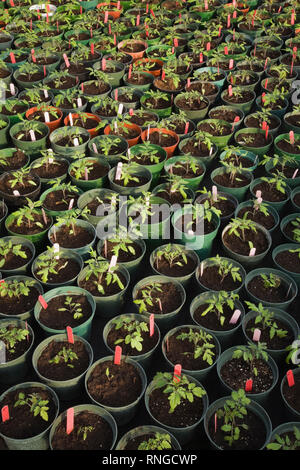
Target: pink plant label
pixel 152 13
pixel 151 328
pixel 264 125
pixel 118 5
pixel 86 174
pixel 175 42
pixel 201 57
pixel 45 72
pixel 266 83
pixel 228 21
pixel 259 200
pixel 266 63
pixel 267 132
pixel 292 18
pixel 236 315
pixel 103 64
pixel 163 75
pixel 119 171
pixel 118 354
pixel 138 19
pixel 177 373
pixel 208 46
pixel 71 203
pixel 70 420
pixel 256 334
pixel 206 4
pixel 249 385
pixel 292 137
pixel 130 71
pixel 220 30
pixel 94 148
pixel 43 211
pixel 201 269
pixel 226 50
pixel 188 82
pixel 16 193
pixel 106 17
pixel 252 252
pixel 116 94
pixel 148 132
pixel 33 56
pixel 295 173
pixel 32 135
pixel 92 48
pixel 47 117
pixel 230 90
pixel 70 335
pixel 43 302
pixel 290 378
pixel 147 8
pixel 131 112
pixel 186 129
pixel 216 422
pixel 66 60
pixel 230 64
pixel 5 413
pixel 258 193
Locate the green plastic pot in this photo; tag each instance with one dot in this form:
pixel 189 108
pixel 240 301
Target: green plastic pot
pixel 211 262
pixel 8 152
pixel 220 141
pixel 183 434
pixel 292 182
pixel 112 159
pixel 86 185
pixel 202 374
pixel 131 266
pixel 200 243
pixel 279 315
pixel 15 370
pixel 6 44
pixel 291 412
pixel 229 197
pixel 83 251
pixel 44 181
pixel 167 320
pixel 277 205
pixel 277 112
pixel 280 249
pixel 238 193
pixel 224 108
pixel 145 431
pixel 65 389
pixel 52 212
pixel 40 53
pixel 128 105
pixel 37 239
pixel 137 170
pixel 144 359
pixel 248 260
pixel 83 330
pixel 69 254
pixel 34 147
pixel 111 305
pixel 194 115
pixel 25 84
pixel 245 154
pixel 68 34
pixel 4 211
pixel 281 152
pixel 184 280
pixel 115 77
pixel 284 222
pixel 257 150
pixel 192 183
pixel 153 52
pixel 161 112
pixel 145 87
pixel 290 127
pixel 40 441
pixel 67 111
pixel 245 107
pixel 25 243
pixel 190 195
pixel 225 337
pixel 287 280
pixel 90 97
pixel 219 83
pixel 12 201
pixel 271 210
pixel 122 414
pixel 207 161
pixel 64 151
pixel 283 429
pixel 253 407
pixel 89 196
pixel 156 168
pixel 4 132
pixel 274 131
pixel 294 193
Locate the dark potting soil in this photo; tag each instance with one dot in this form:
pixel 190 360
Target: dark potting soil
pixel 69 141
pixel 65 83
pixel 182 352
pixel 240 160
pixel 236 372
pixel 294 119
pixel 186 414
pixel 163 266
pixel 157 103
pixel 16 161
pixel 132 184
pixel 213 280
pixel 210 129
pixel 126 133
pixel 139 79
pixel 64 273
pixel 123 98
pixel 240 81
pixel 22 423
pixel 133 444
pixel 226 207
pixel 96 171
pixel 88 123
pixel 185 170
pixel 225 180
pixel 140 120
pixel 269 294
pixel 53 318
pixel 276 342
pixel 247 96
pixel 80 238
pixel 106 207
pixel 168 84
pixel 148 342
pixel 225 115
pixel 254 67
pixel 123 256
pixel 16 109
pixel 269 193
pixel 108 111
pixel 58 201
pixel 4 73
pixel 13 261
pixel 73 104
pixel 19 58
pixel 40 116
pixel 19 348
pixel 256 122
pixel 286 146
pixel 45 60
pixel 289 261
pixel 257 216
pixel 144 159
pixel 17 305
pixel 24 189
pixel 51 170
pixel 32 229
pixel 252 438
pixel 35 77
pixel 211 320
pixel 183 224
pixel 111 289
pixel 199 150
pixel 290 228
pixel 99 434
pixel 26 137
pixel 292 394
pixel 255 140
pixel 237 245
pixel 155 216
pixel 170 298
pixel 62 370
pixel 206 88
pixel 172 197
pixel 96 88
pixel 133 47
pixel 120 388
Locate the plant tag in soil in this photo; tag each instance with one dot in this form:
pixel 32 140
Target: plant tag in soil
pixel 266 63
pixel 106 17
pixel 215 193
pixel 208 46
pixel 12 88
pixel 71 119
pixel 292 137
pixel 43 210
pixel 32 135
pixel 290 378
pixel 175 42
pixel 118 171
pixel 152 324
pixel 33 56
pixel 46 94
pixel 70 420
pixel 94 148
pixel 201 269
pixel 131 112
pixel 264 125
pixel 118 354
pixel 249 385
pixel 71 204
pixel 231 64
pixel 113 262
pixel 177 373
pixel 116 94
pixel 201 57
pixel 76 142
pixel 267 132
pixel 103 64
pixel 79 102
pixel 186 129
pixel 43 302
pixel 228 21
pixel 256 334
pixel 295 174
pixel 252 251
pixel 216 422
pixel 86 175
pixel 120 109
pixel 66 60
pixel 206 4
pixel 138 18
pixel 12 57
pixel 236 315
pixel 16 193
pixel 70 335
pixel 47 117
pixel 226 50
pixel 5 413
pixel 258 193
pixel 230 90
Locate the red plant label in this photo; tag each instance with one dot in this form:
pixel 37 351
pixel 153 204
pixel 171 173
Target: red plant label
pixel 249 385
pixel 70 420
pixel 5 413
pixel 70 335
pixel 66 60
pixel 186 129
pixel 43 302
pixel 290 378
pixel 12 57
pixel 118 354
pixel 292 137
pixel 151 324
pixel 177 373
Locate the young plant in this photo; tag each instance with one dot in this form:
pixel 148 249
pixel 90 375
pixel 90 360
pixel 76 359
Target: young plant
pixel 265 319
pixel 175 255
pixel 38 406
pixel 217 302
pixel 225 268
pixel 20 177
pixel 284 442
pixel 176 185
pixel 84 430
pixel 232 414
pixel 27 215
pixel 48 263
pixel 134 329
pixel 271 281
pixel 16 288
pixel 121 242
pixel 12 336
pixel 7 248
pixel 159 442
pixel 100 270
pixel 150 296
pixel 65 354
pixel 202 343
pixel 239 227
pixel 251 354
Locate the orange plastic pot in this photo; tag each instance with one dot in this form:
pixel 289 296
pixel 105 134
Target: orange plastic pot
pixel 51 125
pixel 134 55
pixel 114 13
pixel 155 73
pixel 131 142
pixel 170 150
pixel 92 132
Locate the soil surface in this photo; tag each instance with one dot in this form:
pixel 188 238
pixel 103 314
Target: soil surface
pixel 17 305
pixel 19 348
pixel 269 294
pixel 170 298
pixel 148 342
pixel 213 280
pixel 53 318
pixel 276 342
pixel 66 269
pixel 211 320
pixel 236 372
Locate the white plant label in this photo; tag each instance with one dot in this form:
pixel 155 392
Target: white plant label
pixel 258 194
pixel 32 135
pixel 47 117
pixel 236 315
pixel 71 119
pixel 12 89
pixel 76 142
pixel 148 132
pixel 191 232
pixel 256 334
pixel 295 173
pixel 71 204
pixel 79 102
pixel 46 94
pixel 86 176
pixel 201 269
pixel 95 148
pixel 215 193
pixel 119 171
pixel 56 249
pixel 44 216
pixel 16 193
pixel 120 109
pixel 113 262
pixel 252 252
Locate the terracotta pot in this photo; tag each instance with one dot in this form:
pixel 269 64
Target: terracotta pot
pixel 51 125
pixel 155 73
pixel 114 13
pixel 130 142
pixel 92 132
pixel 134 55
pixel 170 150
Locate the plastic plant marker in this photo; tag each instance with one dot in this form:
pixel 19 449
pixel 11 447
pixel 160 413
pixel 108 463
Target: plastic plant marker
pixel 43 210
pixel 106 17
pixel 76 142
pixel 159 304
pixel 79 102
pixel 236 315
pixel 163 75
pixel 70 420
pixel 71 204
pixel 113 262
pixel 32 135
pixel 47 117
pixel 147 8
pixel 226 50
pixel 177 373
pixel 131 112
pixel 43 302
pixel 119 171
pixel 151 328
pixel 290 378
pixel 230 64
pixel 70 335
pixel 252 252
pixel 292 18
pixel 148 132
pixel 201 269
pixel 130 71
pixel 86 176
pixel 118 354
pixel 71 119
pixel 230 90
pixel 16 193
pixel 259 200
pixel 228 21
pixel 267 132
pixel 258 193
pixel 175 42
pixel 216 422
pixel 215 193
pixel 116 94
pixel 103 64
pixel 290 286
pixel 118 5
pixel 12 57
pixel 186 129
pixel 295 173
pixel 5 413
pixel 82 87
pixel 206 4
pixel 56 249
pixel 188 82
pixel 266 83
pixel 256 334
pixel 120 108
pixel 264 125
pixel 220 30
pixel 46 94
pixel 66 60
pixel 95 147
pixel 138 19
pixel 248 386
pixel 201 57
pixel 266 63
pixel 292 137
pixel 208 46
